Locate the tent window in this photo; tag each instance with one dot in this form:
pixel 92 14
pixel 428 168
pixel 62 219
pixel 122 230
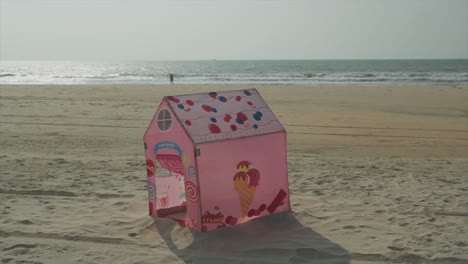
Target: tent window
pixel 164 120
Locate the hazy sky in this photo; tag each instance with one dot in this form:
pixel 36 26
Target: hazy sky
pixel 232 29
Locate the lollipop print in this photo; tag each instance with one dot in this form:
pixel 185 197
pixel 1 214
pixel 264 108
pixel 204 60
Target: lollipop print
pixel 191 192
pixel 150 168
pixel 151 190
pixel 192 172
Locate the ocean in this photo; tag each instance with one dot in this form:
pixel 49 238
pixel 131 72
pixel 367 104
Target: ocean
pixel 247 71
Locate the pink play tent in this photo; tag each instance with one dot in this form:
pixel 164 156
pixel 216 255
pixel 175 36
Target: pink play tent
pixel 216 159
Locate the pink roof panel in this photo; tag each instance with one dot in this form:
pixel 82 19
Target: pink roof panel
pixel 224 115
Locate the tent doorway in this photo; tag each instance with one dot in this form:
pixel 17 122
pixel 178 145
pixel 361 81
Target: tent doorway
pixel 170 187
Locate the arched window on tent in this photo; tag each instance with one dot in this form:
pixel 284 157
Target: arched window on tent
pixel 164 120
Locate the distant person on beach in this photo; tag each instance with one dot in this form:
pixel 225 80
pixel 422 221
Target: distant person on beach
pixel 171 77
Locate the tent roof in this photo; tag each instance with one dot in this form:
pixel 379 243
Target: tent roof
pixel 218 116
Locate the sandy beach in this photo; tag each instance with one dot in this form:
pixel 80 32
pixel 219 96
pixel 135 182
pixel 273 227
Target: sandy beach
pixel 377 174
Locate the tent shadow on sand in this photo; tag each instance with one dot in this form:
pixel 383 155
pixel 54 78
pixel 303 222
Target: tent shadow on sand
pixel 278 238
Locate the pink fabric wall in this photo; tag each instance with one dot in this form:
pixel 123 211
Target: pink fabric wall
pixel 173 141
pixel 218 164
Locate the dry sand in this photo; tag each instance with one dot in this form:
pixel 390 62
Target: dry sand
pixel 377 175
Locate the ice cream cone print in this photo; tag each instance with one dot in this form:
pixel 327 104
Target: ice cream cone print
pixel 245 192
pixel 245 184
